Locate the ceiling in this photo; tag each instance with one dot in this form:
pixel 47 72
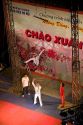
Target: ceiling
pixel 58 3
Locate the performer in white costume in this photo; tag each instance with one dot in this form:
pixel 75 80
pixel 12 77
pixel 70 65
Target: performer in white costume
pixel 37 88
pixel 35 59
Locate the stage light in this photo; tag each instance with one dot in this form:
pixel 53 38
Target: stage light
pixel 64 123
pixel 63 113
pixel 71 111
pixel 71 122
pixel 72 115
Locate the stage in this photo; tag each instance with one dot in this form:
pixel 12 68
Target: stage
pixel 16 110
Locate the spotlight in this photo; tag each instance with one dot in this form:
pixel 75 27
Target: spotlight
pixel 71 111
pixel 63 114
pixel 71 122
pixel 64 123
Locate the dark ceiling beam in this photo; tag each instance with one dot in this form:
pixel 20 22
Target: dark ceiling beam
pixel 60 3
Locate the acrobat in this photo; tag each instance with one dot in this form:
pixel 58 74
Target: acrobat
pixel 35 59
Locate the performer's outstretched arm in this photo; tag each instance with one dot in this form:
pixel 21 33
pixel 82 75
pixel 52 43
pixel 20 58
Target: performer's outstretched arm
pixel 31 59
pixel 33 83
pixel 35 59
pixel 41 52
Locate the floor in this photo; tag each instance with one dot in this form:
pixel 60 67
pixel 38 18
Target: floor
pixel 16 110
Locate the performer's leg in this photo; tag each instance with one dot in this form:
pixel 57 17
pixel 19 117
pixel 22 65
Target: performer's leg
pixel 62 101
pixel 23 92
pixel 40 100
pixel 27 90
pixel 35 98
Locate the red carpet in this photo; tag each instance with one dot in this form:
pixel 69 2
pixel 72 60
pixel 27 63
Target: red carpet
pixel 11 114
